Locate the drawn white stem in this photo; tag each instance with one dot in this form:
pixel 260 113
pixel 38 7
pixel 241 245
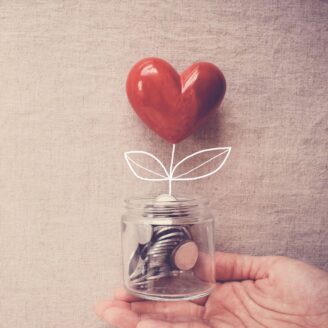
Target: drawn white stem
pixel 171 170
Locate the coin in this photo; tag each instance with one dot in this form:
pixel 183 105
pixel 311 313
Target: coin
pixel 172 235
pixel 185 255
pixel 168 242
pixel 157 251
pixel 163 231
pixel 145 232
pixel 144 251
pixel 187 232
pixel 137 275
pixel 158 276
pixel 165 198
pixel 157 263
pixel 134 260
pixel 160 230
pixel 158 272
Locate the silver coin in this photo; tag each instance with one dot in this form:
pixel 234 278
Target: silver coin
pixel 164 229
pixel 157 251
pixel 157 246
pixel 140 279
pixel 187 232
pixel 158 259
pixel 160 275
pixel 144 251
pixel 169 242
pixel 164 249
pixel 158 228
pixel 166 232
pixel 138 273
pixel 134 260
pixel 141 284
pixel 165 244
pixel 159 232
pixel 156 264
pixel 156 271
pixel 172 235
pixel 140 270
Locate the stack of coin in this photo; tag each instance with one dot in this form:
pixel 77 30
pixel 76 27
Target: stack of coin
pixel 162 249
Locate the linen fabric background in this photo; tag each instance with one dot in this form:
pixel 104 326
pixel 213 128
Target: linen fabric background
pixel 65 122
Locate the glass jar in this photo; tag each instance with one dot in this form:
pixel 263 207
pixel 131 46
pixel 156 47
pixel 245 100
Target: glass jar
pixel 168 248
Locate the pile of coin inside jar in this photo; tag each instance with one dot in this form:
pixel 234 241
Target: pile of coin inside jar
pixel 163 250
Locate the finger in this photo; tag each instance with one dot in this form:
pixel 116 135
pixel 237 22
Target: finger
pixel 121 318
pixel 204 268
pixel 122 294
pixel 170 310
pixel 230 266
pixel 102 306
pixel 200 301
pixel 144 307
pixel 164 324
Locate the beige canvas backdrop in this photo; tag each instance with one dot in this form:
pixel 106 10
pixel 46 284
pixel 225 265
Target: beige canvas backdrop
pixel 65 122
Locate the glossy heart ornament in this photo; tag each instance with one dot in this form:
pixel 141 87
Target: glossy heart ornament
pixel 174 105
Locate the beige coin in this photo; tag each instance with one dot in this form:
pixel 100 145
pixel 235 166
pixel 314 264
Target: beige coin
pixel 185 255
pixel 165 198
pixel 145 232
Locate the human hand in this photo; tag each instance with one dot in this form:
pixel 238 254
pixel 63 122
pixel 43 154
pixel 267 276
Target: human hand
pixel 253 292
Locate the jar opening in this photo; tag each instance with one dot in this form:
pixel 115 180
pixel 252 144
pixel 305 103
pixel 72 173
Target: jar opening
pixel 184 209
pixel 183 200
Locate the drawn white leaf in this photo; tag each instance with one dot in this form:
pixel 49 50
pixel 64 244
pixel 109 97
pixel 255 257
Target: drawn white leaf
pixel 214 161
pixel 137 159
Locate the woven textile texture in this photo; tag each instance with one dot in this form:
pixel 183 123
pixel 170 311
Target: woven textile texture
pixel 65 122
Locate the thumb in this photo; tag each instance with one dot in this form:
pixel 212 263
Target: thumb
pixel 230 266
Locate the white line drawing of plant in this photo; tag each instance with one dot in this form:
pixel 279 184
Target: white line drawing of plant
pixel 169 175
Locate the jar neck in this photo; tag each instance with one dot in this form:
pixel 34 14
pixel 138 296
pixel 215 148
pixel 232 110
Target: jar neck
pixel 180 211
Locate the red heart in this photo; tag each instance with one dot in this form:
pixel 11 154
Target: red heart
pixel 174 106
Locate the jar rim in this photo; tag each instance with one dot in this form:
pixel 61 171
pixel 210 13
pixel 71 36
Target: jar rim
pixel 186 209
pixel 136 202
